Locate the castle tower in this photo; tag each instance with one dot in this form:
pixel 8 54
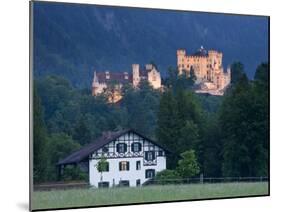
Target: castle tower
pixel 95 84
pixel 228 70
pixel 136 74
pixel 181 53
pixel 228 75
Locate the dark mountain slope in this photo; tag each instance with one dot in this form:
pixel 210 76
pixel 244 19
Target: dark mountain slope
pixel 72 40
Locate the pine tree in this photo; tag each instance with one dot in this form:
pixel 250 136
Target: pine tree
pixel 244 126
pixel 82 133
pixel 39 140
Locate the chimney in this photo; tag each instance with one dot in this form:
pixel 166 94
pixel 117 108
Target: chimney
pixel 107 75
pixel 126 75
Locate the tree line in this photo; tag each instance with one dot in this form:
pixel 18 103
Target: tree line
pixel 222 136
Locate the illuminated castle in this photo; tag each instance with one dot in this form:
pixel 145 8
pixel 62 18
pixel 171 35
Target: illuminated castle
pixel 208 69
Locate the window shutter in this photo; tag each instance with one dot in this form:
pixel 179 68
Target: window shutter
pixel 120 166
pixel 117 148
pixel 153 155
pixel 128 165
pixel 153 172
pixel 125 147
pixel 139 147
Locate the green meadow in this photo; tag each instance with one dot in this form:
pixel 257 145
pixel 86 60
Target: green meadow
pixel 145 194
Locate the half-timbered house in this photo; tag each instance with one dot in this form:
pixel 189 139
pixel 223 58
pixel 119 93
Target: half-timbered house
pixel 131 159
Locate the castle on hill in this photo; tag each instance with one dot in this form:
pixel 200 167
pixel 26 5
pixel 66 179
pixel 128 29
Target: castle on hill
pixel 207 68
pixel 112 82
pixel 205 65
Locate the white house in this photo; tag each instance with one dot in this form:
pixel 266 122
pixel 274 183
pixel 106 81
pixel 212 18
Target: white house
pixel 131 158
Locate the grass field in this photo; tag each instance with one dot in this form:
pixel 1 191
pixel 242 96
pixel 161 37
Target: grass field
pixel 95 197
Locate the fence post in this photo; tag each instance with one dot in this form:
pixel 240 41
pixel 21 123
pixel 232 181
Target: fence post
pixel 201 178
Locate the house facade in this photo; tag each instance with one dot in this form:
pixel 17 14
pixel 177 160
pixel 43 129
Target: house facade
pixel 131 159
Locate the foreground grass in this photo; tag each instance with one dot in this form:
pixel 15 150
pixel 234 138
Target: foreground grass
pixel 95 197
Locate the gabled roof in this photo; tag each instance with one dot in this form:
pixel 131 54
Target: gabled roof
pixel 85 151
pixel 118 77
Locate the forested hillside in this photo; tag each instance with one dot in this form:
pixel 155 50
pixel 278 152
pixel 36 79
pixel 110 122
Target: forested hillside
pixel 72 40
pixel 228 135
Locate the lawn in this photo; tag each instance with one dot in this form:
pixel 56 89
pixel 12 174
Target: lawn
pixel 109 196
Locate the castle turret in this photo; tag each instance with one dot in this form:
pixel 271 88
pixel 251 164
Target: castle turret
pixel 228 75
pixel 228 70
pixel 136 74
pixel 148 66
pixel 181 54
pixel 95 84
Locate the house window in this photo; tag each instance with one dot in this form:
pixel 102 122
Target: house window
pixel 138 182
pixel 150 155
pixel 103 184
pixel 121 148
pixel 138 165
pixel 124 183
pixel 149 173
pixel 136 147
pixel 160 153
pixel 124 166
